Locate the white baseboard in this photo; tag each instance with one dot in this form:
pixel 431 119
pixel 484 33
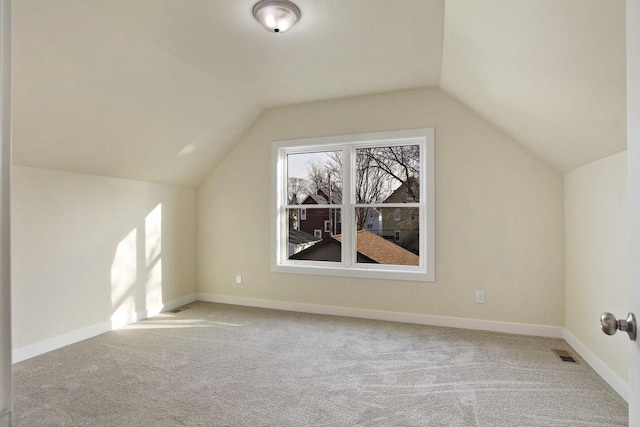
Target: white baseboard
pixel 618 384
pixel 41 347
pixel 393 316
pixel 33 350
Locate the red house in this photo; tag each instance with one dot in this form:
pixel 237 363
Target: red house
pixel 323 222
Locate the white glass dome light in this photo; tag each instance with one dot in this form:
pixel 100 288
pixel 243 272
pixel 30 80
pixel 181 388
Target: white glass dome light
pixel 276 16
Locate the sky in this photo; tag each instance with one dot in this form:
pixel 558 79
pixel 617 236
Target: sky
pixel 298 164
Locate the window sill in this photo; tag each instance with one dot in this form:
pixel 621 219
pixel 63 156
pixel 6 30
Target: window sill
pixel 413 275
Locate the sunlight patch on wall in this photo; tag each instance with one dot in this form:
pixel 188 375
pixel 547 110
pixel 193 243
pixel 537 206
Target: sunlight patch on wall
pixel 136 272
pixel 154 289
pixel 124 273
pixel 153 252
pixel 153 234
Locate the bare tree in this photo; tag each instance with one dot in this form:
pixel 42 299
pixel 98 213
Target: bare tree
pixel 317 178
pixel 396 164
pixel 379 172
pixel 327 176
pixel 382 170
pixel 297 189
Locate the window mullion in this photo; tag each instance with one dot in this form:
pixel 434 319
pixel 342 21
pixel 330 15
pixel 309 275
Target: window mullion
pixel 281 206
pixel 348 222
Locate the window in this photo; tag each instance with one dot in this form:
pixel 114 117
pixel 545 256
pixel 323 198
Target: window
pixel 351 180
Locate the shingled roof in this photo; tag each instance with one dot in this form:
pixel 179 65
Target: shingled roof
pixel 381 250
pixel 321 198
pixel 298 237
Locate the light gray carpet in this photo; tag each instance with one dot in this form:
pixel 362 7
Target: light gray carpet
pixel 220 365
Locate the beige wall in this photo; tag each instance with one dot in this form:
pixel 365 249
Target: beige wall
pixel 596 254
pixel 89 249
pixel 499 216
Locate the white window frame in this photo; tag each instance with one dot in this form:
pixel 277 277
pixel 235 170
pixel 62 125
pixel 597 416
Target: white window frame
pixel 327 226
pixel 317 233
pixel 397 216
pixel 349 267
pixel 303 214
pixel 397 235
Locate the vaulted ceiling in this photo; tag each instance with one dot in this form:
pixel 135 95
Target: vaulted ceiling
pixel 159 90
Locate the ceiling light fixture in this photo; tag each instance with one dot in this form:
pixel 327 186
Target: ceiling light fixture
pixel 277 16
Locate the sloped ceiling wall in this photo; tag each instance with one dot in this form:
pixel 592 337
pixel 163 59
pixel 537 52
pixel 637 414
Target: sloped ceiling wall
pixel 159 90
pixel 549 73
pixel 91 96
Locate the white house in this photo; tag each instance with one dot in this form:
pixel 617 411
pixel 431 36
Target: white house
pixel 373 222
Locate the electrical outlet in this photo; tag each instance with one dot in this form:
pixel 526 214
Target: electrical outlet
pixel 479 297
pixel 238 279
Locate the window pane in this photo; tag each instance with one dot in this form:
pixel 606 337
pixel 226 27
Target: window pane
pixel 388 236
pixel 388 174
pixel 315 236
pixel 314 178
